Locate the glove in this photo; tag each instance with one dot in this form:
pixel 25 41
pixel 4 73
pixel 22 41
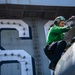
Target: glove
pixel 71 18
pixel 69 27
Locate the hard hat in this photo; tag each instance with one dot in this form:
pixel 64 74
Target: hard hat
pixel 58 19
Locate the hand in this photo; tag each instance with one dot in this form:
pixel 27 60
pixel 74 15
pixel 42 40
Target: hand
pixel 72 18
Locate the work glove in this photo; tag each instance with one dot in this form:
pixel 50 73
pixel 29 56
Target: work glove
pixel 72 18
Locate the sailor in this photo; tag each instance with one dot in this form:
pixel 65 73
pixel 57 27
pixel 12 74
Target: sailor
pixel 55 45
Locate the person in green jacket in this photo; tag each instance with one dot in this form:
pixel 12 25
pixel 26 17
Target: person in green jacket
pixel 55 43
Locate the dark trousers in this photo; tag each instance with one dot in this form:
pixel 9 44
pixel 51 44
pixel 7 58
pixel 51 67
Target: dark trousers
pixel 54 51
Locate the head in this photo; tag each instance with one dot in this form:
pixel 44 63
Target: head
pixel 59 21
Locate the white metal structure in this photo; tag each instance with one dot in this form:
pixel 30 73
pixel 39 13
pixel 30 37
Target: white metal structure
pixel 47 26
pixel 66 65
pixel 19 25
pixel 21 56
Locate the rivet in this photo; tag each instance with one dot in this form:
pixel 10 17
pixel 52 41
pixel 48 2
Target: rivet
pixel 19 24
pixel 12 54
pixel 23 33
pixel 23 28
pixel 26 69
pixel 26 63
pixel 24 57
pixel 1 22
pixel 5 54
pixel 8 23
pixel 14 23
pixel 19 55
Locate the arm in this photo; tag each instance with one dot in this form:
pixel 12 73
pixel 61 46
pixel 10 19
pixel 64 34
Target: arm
pixel 70 22
pixel 59 30
pixel 71 25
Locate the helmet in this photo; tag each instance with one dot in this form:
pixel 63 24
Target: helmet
pixel 58 19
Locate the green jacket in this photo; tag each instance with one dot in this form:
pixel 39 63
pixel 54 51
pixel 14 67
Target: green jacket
pixel 55 34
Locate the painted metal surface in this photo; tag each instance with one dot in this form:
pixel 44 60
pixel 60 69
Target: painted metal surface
pixel 40 2
pixel 6 26
pixel 19 25
pixel 10 40
pixel 19 55
pixel 66 65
